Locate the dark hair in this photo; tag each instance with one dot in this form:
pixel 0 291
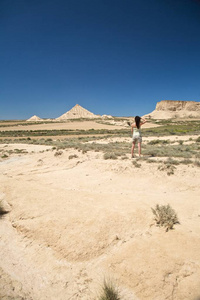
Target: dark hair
pixel 137 121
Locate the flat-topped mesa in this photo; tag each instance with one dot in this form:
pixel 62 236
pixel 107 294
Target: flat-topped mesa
pixel 168 109
pixel 173 105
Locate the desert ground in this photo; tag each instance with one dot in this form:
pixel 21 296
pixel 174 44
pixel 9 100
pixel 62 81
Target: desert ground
pixel 76 218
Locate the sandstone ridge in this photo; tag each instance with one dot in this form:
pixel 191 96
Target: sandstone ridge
pixel 166 109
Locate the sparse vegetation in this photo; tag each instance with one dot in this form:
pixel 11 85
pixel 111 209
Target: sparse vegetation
pixel 124 157
pixel 18 151
pixel 87 140
pixel 154 142
pixel 170 127
pixel 2 210
pixel 171 161
pixel 58 153
pixel 110 156
pixel 109 292
pixel 136 164
pixel 150 161
pixel 165 216
pixel 197 163
pixel 87 143
pixel 186 161
pixel 197 155
pixel 169 168
pixel 73 156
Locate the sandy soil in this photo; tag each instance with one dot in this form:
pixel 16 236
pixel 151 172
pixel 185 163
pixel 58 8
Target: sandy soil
pixel 84 125
pixel 74 222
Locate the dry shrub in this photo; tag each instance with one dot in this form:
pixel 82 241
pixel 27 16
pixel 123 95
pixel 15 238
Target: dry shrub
pixel 168 168
pixel 109 292
pixel 135 163
pixel 124 157
pixel 186 161
pixel 197 155
pixel 58 153
pixel 197 163
pixel 3 211
pixel 110 156
pixel 73 156
pixel 165 216
pixel 198 139
pixel 171 161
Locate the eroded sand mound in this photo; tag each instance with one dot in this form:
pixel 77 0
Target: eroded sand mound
pixel 74 222
pixel 172 109
pixel 77 112
pixel 35 119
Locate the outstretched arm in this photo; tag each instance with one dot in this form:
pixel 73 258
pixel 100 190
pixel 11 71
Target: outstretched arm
pixel 143 121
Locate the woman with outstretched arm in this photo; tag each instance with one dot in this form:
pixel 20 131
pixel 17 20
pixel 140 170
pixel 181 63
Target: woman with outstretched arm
pixel 136 134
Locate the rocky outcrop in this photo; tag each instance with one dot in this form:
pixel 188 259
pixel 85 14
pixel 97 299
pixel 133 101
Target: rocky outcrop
pixel 178 105
pixel 106 117
pixel 77 112
pixel 166 109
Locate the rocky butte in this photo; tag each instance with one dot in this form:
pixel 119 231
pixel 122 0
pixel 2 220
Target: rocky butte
pixel 167 109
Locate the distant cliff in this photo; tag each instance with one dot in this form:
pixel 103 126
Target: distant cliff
pixel 166 109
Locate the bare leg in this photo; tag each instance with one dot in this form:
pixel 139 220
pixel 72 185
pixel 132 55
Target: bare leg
pixel 139 149
pixel 132 149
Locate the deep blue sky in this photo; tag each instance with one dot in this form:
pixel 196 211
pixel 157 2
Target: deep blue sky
pixel 117 57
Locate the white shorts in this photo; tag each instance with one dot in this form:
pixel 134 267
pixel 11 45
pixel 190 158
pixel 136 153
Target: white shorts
pixel 137 138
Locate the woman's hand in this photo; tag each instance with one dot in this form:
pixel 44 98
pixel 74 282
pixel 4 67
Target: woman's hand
pixel 143 121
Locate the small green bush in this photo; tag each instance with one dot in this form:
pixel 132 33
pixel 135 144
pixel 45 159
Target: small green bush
pixel 109 292
pixel 165 216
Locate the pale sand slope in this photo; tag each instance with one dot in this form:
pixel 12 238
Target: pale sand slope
pixel 75 221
